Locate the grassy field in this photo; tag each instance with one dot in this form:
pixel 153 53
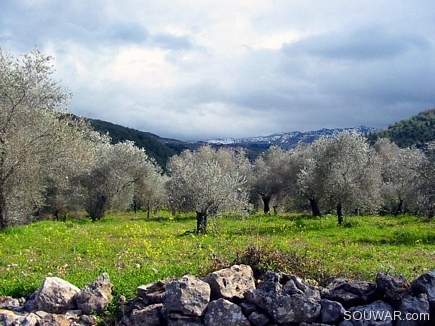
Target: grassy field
pixel 136 251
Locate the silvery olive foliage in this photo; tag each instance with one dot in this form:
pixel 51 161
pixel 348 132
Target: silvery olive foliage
pixel 343 172
pixel 273 176
pixel 39 142
pixel 114 176
pixel 400 172
pixel 425 202
pixel 209 182
pixel 149 187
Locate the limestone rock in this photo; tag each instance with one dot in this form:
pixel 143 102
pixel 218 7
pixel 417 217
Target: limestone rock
pixel 223 312
pixel 394 287
pixel 410 304
pixel 426 284
pixel 54 320
pixel 286 304
pixel 188 296
pixel 378 313
pixel 150 316
pixel 231 283
pixel 56 295
pixel 350 292
pixel 95 296
pixel 175 319
pixel 332 311
pixel 258 318
pixel 152 293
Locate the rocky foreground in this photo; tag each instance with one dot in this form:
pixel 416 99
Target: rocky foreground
pixel 232 296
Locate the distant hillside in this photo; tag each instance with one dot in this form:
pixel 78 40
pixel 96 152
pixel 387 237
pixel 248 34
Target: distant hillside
pixel 286 140
pixel 416 130
pixel 161 149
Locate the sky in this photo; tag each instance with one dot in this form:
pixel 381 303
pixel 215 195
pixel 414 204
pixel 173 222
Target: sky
pixel 200 69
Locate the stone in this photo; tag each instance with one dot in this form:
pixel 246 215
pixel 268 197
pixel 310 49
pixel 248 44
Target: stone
pixel 56 295
pixel 258 318
pixel 426 284
pixel 9 302
pixel 350 292
pixel 410 304
pixel 150 316
pixel 180 320
pixel 394 287
pixel 95 296
pixel 152 293
pixel 188 295
pixel 54 320
pixel 331 312
pixel 223 312
pixel 87 320
pixel 284 306
pixel 231 283
pixel 10 318
pixel 295 285
pixel 378 313
pixel 248 308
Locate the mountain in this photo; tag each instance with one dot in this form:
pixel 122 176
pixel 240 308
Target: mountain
pixel 161 149
pixel 286 140
pixel 415 131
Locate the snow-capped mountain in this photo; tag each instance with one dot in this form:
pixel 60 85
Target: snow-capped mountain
pixel 287 139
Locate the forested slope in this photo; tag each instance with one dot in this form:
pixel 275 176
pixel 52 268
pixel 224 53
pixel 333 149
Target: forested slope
pixel 416 130
pixel 160 149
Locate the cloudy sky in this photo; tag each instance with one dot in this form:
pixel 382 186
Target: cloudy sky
pixel 200 69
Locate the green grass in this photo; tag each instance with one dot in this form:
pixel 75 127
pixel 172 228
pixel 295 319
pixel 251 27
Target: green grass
pixel 136 251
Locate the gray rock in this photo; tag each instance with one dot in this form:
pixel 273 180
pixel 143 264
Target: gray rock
pixel 150 316
pixel 95 296
pixel 56 295
pixel 410 304
pixel 181 320
pixel 332 311
pixel 224 312
pixel 378 313
pixel 231 283
pixel 282 305
pixel 248 308
pixel 188 295
pixel 394 287
pixel 54 320
pixel 426 284
pixel 153 292
pixel 258 318
pixel 10 318
pixel 350 292
pixel 295 285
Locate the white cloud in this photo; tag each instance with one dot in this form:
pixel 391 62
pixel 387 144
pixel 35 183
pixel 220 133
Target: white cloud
pixel 199 69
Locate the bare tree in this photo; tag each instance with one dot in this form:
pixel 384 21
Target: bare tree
pixel 209 182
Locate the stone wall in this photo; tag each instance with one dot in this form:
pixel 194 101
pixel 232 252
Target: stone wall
pixel 233 297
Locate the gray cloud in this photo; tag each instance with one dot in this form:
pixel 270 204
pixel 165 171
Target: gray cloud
pixel 195 71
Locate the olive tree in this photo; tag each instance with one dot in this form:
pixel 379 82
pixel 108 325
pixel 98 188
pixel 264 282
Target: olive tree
pixel 110 182
pixel 272 175
pixel 209 182
pixel 39 141
pixel 149 187
pixel 311 177
pixel 425 184
pixel 400 168
pixel 349 173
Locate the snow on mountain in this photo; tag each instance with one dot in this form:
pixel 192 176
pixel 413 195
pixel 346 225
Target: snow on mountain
pixel 287 139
